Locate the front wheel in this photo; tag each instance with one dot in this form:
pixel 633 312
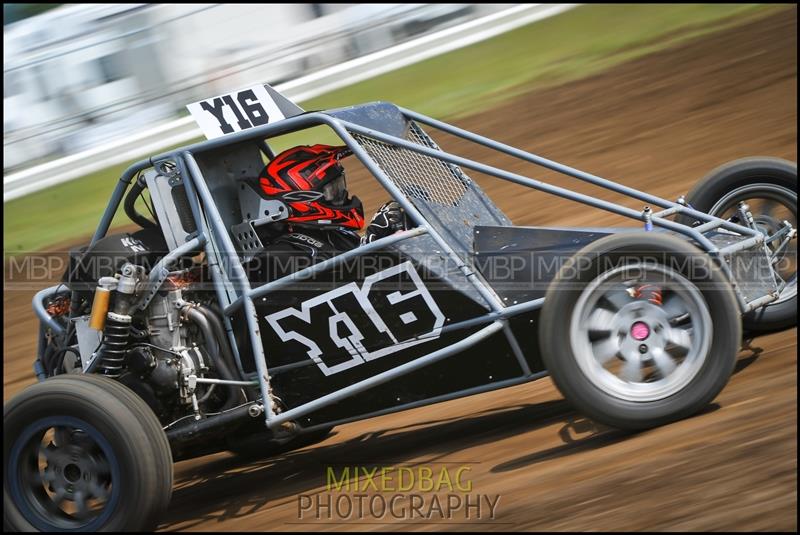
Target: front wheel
pixel 638 330
pixel 83 453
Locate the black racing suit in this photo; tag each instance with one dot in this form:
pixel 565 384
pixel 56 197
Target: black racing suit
pixel 289 248
pixel 297 247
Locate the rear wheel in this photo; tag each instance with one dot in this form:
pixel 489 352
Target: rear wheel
pixel 769 187
pixel 83 453
pixel 640 330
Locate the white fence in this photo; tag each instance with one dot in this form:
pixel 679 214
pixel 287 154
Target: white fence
pixel 182 130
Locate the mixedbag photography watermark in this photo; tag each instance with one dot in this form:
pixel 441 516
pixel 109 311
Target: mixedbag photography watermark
pixel 422 493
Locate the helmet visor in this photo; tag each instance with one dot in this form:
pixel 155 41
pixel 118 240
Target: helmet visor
pixel 335 191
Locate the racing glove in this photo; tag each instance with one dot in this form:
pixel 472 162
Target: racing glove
pixel 389 218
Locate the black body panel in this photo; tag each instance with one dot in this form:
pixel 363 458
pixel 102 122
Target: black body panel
pixel 106 257
pixel 334 304
pixel 520 262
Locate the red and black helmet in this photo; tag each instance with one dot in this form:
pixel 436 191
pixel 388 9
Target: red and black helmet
pixel 311 181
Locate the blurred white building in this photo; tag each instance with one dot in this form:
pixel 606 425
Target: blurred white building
pixel 81 74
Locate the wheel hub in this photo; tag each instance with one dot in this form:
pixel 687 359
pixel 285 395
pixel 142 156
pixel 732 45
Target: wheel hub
pixel 640 322
pixel 69 476
pixel 640 331
pixel 72 472
pixel 640 345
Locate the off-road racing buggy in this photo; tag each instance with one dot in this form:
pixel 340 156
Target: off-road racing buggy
pixel 158 348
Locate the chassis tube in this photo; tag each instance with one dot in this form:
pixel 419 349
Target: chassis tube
pixel 536 184
pixel 533 158
pixel 116 198
pixel 220 233
pixel 182 434
pixel 211 254
pixel 311 119
pixel 41 313
pixel 672 207
pixel 701 240
pixel 308 272
pixel 161 270
pixel 38 364
pixel 225 382
pixel 388 375
pixel 430 401
pixel 218 228
pixel 284 126
pixel 516 349
pixel 486 291
pixel 340 128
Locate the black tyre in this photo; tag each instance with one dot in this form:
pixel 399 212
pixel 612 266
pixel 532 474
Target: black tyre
pixel 83 453
pixel 638 330
pixel 769 187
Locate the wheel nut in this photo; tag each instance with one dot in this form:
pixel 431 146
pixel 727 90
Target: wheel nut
pixel 643 348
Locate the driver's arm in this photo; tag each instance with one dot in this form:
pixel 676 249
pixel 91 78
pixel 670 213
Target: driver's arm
pixel 389 218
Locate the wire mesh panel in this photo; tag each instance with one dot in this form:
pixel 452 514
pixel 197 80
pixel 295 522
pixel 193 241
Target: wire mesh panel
pixel 450 201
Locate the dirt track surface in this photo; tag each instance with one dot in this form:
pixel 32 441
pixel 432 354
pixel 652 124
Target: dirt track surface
pixel 659 124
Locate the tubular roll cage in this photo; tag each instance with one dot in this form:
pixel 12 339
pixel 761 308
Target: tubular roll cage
pixel 234 290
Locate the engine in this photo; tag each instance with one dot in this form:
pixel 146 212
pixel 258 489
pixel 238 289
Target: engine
pixel 158 335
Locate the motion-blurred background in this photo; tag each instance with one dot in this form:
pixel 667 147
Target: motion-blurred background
pixel 79 75
pixel 88 88
pixel 653 96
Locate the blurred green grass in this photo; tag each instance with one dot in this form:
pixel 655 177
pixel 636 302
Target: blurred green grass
pixel 572 45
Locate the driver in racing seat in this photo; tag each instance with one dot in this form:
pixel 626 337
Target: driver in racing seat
pixel 323 219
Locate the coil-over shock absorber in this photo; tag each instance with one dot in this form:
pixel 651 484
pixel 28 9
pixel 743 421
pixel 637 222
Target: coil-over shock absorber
pixel 115 344
pixel 117 324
